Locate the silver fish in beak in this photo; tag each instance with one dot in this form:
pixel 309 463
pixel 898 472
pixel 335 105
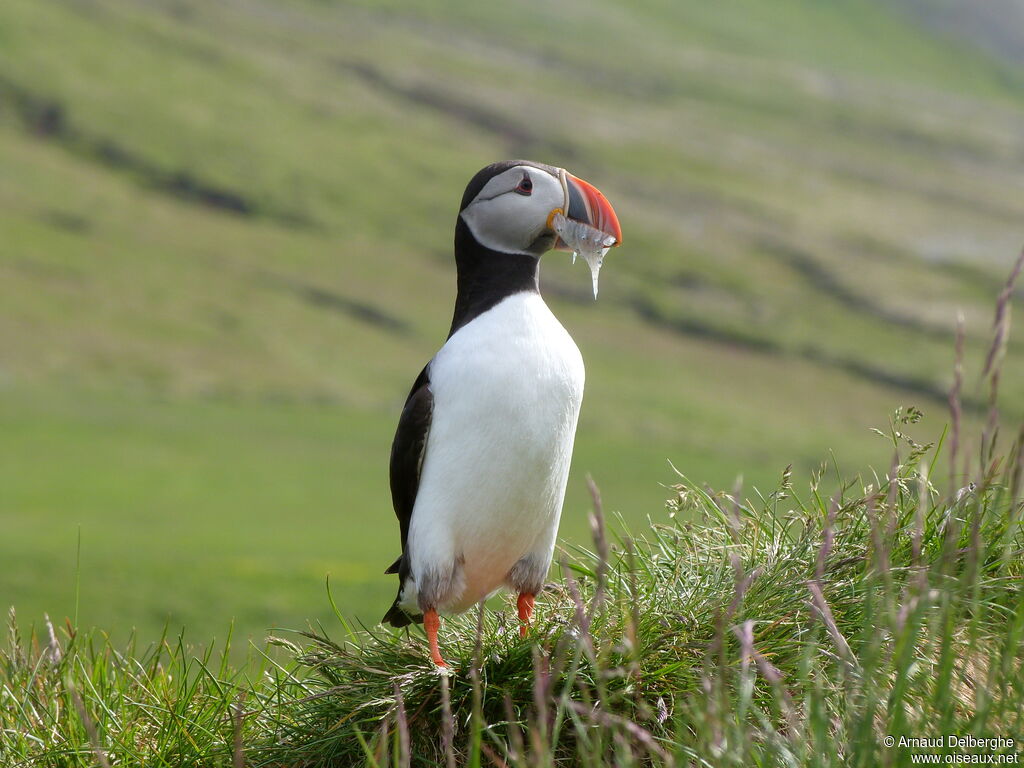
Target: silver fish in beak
pixel 587 225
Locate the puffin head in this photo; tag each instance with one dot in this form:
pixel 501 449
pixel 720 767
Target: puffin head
pixel 508 207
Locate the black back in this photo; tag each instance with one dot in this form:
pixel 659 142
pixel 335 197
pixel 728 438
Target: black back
pixel 407 452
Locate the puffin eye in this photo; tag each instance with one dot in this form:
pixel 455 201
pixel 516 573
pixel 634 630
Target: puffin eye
pixel 525 186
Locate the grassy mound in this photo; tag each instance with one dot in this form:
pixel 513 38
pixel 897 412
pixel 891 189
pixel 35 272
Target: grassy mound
pixel 790 631
pixel 784 631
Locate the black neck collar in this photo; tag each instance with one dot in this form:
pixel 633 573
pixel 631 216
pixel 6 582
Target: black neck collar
pixel 485 277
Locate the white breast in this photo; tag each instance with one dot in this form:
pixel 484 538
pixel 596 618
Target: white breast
pixel 507 390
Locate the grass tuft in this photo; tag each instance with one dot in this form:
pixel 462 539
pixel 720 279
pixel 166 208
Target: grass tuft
pixel 793 630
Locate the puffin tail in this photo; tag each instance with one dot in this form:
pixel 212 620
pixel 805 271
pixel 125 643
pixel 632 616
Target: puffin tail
pixel 396 617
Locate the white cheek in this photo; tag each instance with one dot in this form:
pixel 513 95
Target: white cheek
pixel 501 224
pixel 510 223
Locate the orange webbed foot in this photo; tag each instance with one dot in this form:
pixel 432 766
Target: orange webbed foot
pixel 431 623
pixel 525 605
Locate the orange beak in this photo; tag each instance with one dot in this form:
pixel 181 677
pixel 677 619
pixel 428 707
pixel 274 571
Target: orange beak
pixel 585 203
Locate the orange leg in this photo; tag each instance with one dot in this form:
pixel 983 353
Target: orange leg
pixel 525 604
pixel 432 623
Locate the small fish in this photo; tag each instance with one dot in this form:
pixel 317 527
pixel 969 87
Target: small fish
pixel 586 241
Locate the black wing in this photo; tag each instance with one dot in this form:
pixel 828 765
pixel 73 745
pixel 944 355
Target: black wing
pixel 407 452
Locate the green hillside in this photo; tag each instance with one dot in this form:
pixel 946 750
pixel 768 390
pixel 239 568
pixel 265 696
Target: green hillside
pixel 225 251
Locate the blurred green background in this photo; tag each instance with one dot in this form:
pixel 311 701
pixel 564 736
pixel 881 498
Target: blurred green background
pixel 225 252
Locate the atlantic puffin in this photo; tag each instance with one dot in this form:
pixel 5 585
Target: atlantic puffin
pixel 481 456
